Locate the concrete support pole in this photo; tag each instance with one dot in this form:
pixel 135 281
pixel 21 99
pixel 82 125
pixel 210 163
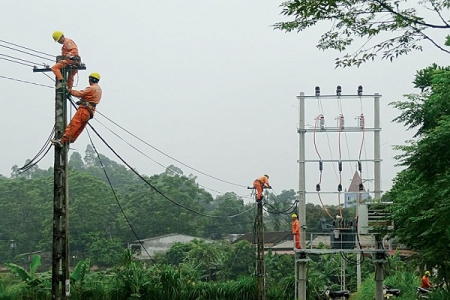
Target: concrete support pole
pixel 377 148
pixel 60 247
pixel 301 282
pixel 260 268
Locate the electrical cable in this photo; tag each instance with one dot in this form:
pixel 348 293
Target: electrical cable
pixel 321 120
pixel 31 54
pixel 6 42
pixel 17 62
pixel 155 188
pixel 158 163
pixel 16 58
pixel 115 196
pixel 276 211
pixel 24 81
pixel 33 161
pixel 167 155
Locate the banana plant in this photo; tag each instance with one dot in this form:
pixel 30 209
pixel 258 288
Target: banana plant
pixel 28 277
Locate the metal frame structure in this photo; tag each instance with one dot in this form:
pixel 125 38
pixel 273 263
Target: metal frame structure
pixel 301 256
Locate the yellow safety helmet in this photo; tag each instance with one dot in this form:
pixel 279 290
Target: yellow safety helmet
pixel 95 75
pixel 294 216
pixel 57 35
pixel 266 176
pixel 427 273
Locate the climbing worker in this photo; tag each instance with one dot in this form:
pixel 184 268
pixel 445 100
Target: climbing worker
pixel 425 283
pixel 90 97
pixel 259 184
pixel 296 231
pixel 70 52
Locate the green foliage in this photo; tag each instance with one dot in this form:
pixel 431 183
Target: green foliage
pixel 367 21
pixel 420 192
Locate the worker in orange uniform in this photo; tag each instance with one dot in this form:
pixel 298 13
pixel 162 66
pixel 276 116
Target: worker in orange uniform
pixel 296 231
pixel 90 97
pixel 426 284
pixel 259 184
pixel 70 52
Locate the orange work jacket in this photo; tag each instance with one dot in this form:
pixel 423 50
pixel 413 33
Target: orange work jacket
pixel 69 48
pixel 425 282
pixel 264 181
pixel 295 227
pixel 92 94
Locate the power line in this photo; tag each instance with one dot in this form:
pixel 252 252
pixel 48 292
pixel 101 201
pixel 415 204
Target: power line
pixel 115 195
pixel 167 155
pixel 155 188
pixel 165 167
pixel 27 53
pixel 24 81
pixel 17 62
pixel 24 60
pixel 6 42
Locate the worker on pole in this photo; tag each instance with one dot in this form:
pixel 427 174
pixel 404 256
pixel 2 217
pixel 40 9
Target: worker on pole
pixel 70 52
pixel 259 184
pixel 425 283
pixel 296 231
pixel 90 97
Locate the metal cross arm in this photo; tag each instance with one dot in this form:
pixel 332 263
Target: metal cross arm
pixel 252 187
pixel 70 67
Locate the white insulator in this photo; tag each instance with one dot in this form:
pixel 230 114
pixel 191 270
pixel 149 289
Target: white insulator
pixel 361 121
pixel 322 122
pixel 341 121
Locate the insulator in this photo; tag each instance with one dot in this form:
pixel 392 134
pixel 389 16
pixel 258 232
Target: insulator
pixel 322 122
pixel 361 187
pixel 320 166
pixel 339 187
pixel 359 167
pixel 361 121
pixel 360 90
pixel 338 90
pixel 340 166
pixel 318 187
pixel 317 91
pixel 341 121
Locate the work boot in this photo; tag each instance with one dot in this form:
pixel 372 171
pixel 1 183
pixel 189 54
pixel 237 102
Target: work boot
pixel 60 84
pixel 56 142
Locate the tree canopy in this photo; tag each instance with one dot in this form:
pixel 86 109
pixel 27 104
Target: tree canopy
pixel 421 193
pixel 386 28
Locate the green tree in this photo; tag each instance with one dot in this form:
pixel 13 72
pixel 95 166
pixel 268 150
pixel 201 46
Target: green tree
pixel 76 161
pixel 370 22
pixel 421 192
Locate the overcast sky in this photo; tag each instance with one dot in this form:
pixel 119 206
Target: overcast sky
pixel 209 83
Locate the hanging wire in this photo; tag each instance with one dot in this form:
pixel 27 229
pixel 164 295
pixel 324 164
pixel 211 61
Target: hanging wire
pixel 24 81
pixel 9 43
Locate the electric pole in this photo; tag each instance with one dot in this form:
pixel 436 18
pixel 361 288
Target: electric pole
pixel 260 269
pixel 60 246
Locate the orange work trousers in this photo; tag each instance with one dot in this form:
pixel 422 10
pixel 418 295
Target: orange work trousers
pixel 259 189
pixel 297 241
pixel 57 71
pixel 76 125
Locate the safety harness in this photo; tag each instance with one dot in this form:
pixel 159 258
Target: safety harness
pixel 88 106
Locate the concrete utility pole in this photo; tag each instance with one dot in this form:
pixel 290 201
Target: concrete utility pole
pixel 260 268
pixel 60 248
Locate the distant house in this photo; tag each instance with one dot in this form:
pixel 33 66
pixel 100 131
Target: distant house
pixel 351 195
pixel 146 248
pixel 278 241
